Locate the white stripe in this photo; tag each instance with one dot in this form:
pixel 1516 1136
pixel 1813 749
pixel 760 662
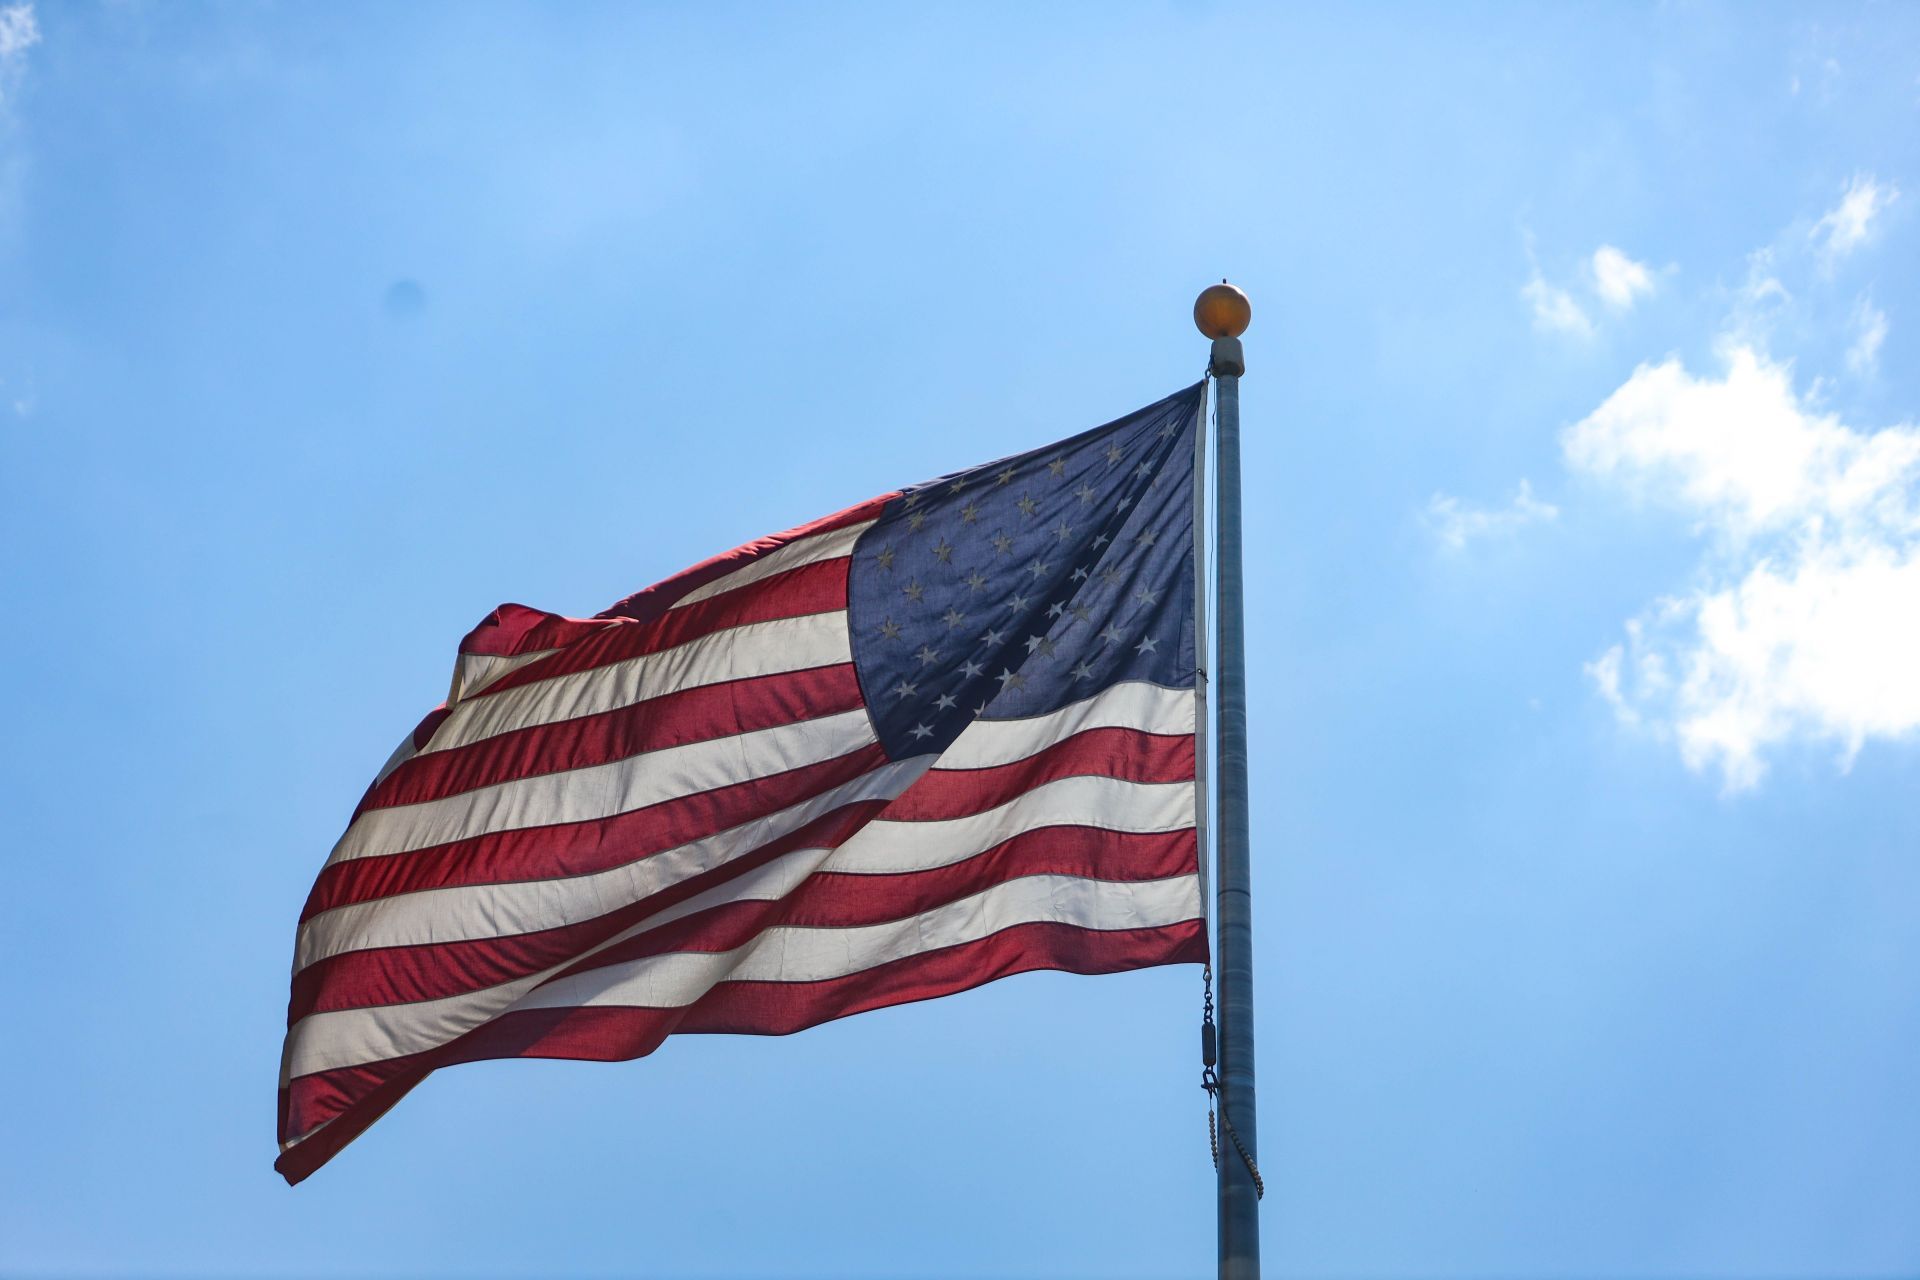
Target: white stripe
pixel 756 649
pixel 291 1143
pixel 886 846
pixel 401 754
pixel 325 1041
pixel 1135 704
pixel 797 954
pixel 473 672
pixel 808 550
pixel 472 912
pixel 601 791
pixel 469 912
pixel 458 1014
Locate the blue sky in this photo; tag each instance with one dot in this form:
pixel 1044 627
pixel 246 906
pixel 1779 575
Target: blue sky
pixel 1584 579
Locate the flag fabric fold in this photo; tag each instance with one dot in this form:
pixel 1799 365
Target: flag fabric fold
pixel 940 737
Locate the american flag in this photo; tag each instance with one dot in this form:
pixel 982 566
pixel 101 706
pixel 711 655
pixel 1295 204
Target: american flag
pixel 941 737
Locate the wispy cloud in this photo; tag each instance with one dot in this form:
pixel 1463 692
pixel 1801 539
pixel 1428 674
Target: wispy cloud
pixel 1618 279
pixel 1869 335
pixel 1851 223
pixel 1455 524
pixel 19 32
pixel 1554 310
pixel 1806 614
pixel 1609 277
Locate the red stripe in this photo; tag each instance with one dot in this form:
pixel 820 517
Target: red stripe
pixel 652 602
pixel 581 848
pixel 428 725
pixel 1127 754
pixel 358 1096
pixel 396 975
pixel 820 587
pixel 839 900
pixel 514 629
pixel 674 719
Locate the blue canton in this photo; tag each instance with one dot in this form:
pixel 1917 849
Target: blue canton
pixel 1016 588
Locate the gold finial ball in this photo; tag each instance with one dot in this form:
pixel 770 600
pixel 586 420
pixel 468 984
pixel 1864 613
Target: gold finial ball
pixel 1222 311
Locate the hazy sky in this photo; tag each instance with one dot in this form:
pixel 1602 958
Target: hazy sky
pixel 1584 589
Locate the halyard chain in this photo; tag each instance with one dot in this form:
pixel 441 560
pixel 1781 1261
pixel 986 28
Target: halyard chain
pixel 1215 1093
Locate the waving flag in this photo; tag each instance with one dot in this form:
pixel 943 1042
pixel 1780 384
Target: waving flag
pixel 935 739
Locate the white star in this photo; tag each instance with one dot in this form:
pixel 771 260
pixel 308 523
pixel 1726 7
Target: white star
pixel 971 669
pixel 1167 431
pixel 913 500
pixel 956 486
pixel 1005 477
pixel 1125 502
pixel 1113 454
pixel 977 580
pixel 1110 575
pixel 1010 680
pixel 944 701
pixel 1081 612
pixel 1034 642
pixel 1058 466
pixel 1019 604
pixel 953 618
pixel 1101 541
pixel 1055 609
pixel 921 731
pixel 1002 544
pixel 1147 538
pixel 995 637
pixel 890 630
pixel 944 552
pixel 1144 596
pixel 904 690
pixel 1027 506
pixel 1144 469
pixel 1079 575
pixel 916 520
pixel 885 558
pixel 1110 635
pixel 1147 645
pixel 1082 671
pixel 970 512
pixel 1039 569
pixel 913 591
pixel 1063 531
pixel 1045 648
pixel 1085 492
pixel 927 656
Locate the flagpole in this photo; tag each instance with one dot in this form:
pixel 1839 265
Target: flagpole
pixel 1222 312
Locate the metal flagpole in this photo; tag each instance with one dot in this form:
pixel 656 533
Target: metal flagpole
pixel 1222 312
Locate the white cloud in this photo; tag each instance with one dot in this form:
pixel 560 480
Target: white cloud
pixel 1456 524
pixel 1805 618
pixel 1850 224
pixel 1618 279
pixel 1608 277
pixel 1554 310
pixel 18 33
pixel 1761 300
pixel 1604 671
pixel 1869 335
